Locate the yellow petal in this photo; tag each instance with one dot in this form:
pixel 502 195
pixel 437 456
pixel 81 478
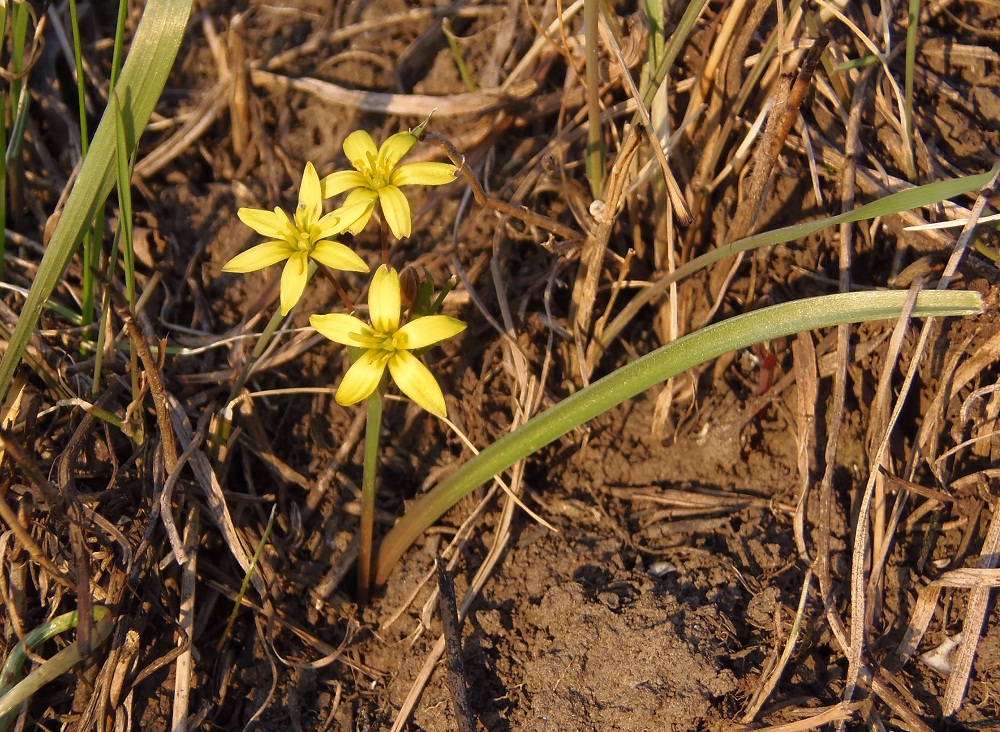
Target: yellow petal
pixel 293 280
pixel 310 194
pixel 417 382
pixel 423 174
pixel 338 327
pixel 396 210
pixel 362 378
pixel 336 256
pixel 427 330
pixel 357 147
pixel 272 224
pixel 341 181
pixel 361 196
pixel 258 257
pixel 384 300
pixel 342 219
pixel 393 149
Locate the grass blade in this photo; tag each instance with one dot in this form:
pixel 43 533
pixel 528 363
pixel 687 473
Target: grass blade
pixel 12 696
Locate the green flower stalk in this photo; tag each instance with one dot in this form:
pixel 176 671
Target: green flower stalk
pixel 377 176
pixel 307 235
pixel 387 344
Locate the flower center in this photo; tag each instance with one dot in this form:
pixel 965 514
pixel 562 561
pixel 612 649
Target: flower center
pixel 373 340
pixel 303 241
pixel 376 169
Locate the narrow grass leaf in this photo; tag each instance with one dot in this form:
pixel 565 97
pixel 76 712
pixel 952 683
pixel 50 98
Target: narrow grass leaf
pixel 18 96
pixel 116 56
pixel 3 175
pixel 124 167
pixel 91 244
pixel 456 53
pixel 11 695
pixel 123 241
pixel 678 40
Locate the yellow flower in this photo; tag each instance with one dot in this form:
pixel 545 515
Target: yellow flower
pixel 386 343
pixel 306 235
pixel 377 176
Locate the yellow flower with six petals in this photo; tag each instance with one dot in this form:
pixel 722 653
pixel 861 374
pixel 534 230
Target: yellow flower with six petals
pixel 305 236
pixel 377 176
pixel 385 343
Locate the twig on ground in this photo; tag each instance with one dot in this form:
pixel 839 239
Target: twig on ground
pixel 168 440
pixel 451 629
pixel 806 397
pixel 467 104
pixel 774 676
pixel 973 622
pixel 185 624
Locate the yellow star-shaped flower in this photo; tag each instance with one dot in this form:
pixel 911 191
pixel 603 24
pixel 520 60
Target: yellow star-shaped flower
pixel 385 343
pixel 305 236
pixel 377 176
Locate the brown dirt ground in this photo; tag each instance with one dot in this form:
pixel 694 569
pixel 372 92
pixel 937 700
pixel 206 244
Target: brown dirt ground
pixel 668 589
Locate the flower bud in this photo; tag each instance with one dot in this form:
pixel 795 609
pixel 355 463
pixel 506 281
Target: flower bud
pixel 409 283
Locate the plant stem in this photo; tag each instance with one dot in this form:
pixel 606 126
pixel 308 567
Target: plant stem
pixel 373 427
pixel 384 230
pixel 341 292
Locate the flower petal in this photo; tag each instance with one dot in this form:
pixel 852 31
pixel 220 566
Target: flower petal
pixel 384 300
pixel 310 194
pixel 427 330
pixel 417 382
pixel 423 174
pixel 258 257
pixel 342 219
pixel 393 149
pixel 341 181
pixel 396 210
pixel 293 280
pixel 338 327
pixel 359 196
pixel 337 256
pixel 361 379
pixel 272 224
pixel 358 145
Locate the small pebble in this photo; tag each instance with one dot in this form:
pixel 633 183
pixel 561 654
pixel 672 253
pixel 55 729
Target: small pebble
pixel 661 569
